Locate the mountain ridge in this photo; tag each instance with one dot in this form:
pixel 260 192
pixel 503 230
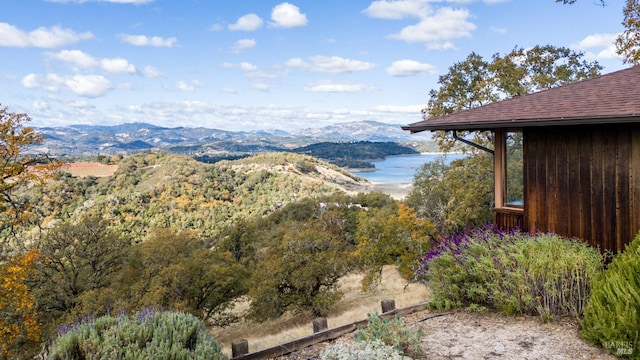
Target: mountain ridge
pixel 129 138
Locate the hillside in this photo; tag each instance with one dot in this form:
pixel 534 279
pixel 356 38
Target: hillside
pixel 160 190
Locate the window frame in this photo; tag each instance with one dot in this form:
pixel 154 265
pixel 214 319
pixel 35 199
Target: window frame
pixel 500 172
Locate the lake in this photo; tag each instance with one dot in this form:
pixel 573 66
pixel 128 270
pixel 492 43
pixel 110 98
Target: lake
pixel 400 169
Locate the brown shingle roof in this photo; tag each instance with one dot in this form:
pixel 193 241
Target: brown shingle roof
pixel 610 98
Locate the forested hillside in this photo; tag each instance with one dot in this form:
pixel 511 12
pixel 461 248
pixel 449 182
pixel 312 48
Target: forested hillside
pixel 161 190
pixel 277 229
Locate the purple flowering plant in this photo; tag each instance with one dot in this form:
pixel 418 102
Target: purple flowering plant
pixel 457 244
pixel 511 271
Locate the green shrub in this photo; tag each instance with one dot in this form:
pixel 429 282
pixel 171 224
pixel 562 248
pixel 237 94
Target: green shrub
pixel 145 335
pixel 516 273
pixel 612 313
pixel 375 350
pixel 547 275
pixel 392 333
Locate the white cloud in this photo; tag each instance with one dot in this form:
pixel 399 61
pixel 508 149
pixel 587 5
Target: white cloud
pixel 596 41
pixel 40 106
pixel 444 24
pixel 85 85
pixel 86 61
pixel 244 66
pixel 188 86
pixel 328 86
pixel 330 64
pixel 151 72
pixel 399 9
pixel 143 40
pixel 30 81
pixel 287 15
pixel 50 38
pixel 598 47
pixel 82 85
pixel 117 66
pixel 249 22
pixel 436 25
pixel 410 68
pixel 216 115
pixel 242 44
pixel 75 57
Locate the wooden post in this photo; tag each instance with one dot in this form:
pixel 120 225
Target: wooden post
pixel 239 348
pixel 388 305
pixel 319 324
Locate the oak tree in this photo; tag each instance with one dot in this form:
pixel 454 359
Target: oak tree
pixel 475 82
pixel 76 258
pixel 391 235
pixel 176 270
pixel 463 191
pixel 298 272
pixel 19 322
pixel 19 165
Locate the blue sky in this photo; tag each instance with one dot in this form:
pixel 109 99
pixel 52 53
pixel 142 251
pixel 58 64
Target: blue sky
pixel 263 64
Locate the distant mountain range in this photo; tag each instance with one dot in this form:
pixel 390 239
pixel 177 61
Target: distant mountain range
pixel 130 138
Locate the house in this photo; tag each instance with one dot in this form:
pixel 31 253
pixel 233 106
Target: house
pixel 578 161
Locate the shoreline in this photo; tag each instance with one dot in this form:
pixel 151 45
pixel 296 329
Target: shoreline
pixel 398 191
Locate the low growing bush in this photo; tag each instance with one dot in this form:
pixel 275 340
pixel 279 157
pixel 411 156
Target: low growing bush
pixel 514 272
pixel 375 350
pixel 145 335
pixel 612 313
pixel 394 333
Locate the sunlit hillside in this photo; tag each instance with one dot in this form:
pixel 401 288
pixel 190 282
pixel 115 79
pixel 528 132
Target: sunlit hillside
pixel 165 190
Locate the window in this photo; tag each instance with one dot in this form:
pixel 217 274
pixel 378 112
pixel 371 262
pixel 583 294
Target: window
pixel 513 170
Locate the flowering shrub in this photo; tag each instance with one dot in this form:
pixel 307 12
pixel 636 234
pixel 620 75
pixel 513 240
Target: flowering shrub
pixel 514 272
pixel 145 335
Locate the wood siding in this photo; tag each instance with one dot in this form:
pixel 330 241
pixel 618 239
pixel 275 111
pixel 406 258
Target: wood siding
pixel 508 219
pixel 583 182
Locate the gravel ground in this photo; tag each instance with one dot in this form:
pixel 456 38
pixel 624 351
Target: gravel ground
pixel 470 336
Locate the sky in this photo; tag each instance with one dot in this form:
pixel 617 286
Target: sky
pixel 243 65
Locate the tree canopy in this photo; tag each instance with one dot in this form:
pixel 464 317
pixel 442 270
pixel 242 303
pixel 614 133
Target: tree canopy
pixel 19 165
pixel 459 194
pixel 475 81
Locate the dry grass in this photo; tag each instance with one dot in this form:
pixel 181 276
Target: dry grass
pixel 83 169
pixel 354 306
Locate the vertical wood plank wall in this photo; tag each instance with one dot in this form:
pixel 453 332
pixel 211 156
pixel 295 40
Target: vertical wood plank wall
pixel 584 182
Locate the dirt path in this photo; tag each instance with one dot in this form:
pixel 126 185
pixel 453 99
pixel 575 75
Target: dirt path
pixel 471 336
pixel 462 335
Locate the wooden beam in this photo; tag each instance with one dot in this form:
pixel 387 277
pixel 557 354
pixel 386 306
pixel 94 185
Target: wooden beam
pixel 331 334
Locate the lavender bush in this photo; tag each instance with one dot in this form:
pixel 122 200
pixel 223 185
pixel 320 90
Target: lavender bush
pixel 148 334
pixel 514 272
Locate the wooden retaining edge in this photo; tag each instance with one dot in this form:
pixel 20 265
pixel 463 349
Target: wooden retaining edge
pixel 327 335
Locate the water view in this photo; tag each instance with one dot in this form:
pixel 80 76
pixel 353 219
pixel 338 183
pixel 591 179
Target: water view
pixel 400 169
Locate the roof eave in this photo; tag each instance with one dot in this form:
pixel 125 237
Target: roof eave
pixel 521 123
